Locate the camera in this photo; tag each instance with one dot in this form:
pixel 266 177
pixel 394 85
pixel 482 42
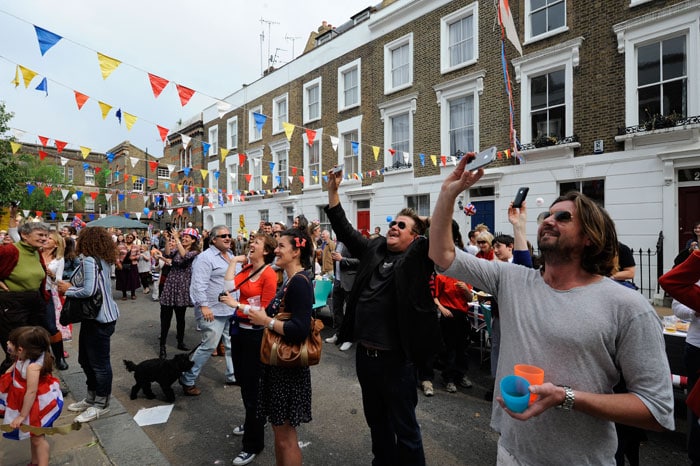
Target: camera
pixel 168 227
pixel 14 203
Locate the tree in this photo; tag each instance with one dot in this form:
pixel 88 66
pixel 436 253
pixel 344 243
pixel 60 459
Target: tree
pixel 12 175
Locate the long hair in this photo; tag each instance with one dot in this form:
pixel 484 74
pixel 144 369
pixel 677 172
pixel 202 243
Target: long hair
pixel 600 256
pixel 301 240
pixel 97 242
pixel 35 341
pixel 59 252
pixel 457 235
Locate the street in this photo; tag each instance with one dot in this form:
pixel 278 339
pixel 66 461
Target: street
pixel 455 427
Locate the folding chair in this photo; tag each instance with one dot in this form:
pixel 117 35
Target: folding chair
pixel 322 291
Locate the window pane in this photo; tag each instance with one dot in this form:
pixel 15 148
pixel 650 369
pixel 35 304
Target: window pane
pixel 399 136
pixel 461 124
pixel 536 4
pixel 556 87
pixel 648 67
pixel 399 62
pixel 674 58
pixel 649 102
pixel 539 124
pixel 538 92
pixel 539 22
pixel 313 102
pixel 557 123
pixel 556 16
pixel 568 187
pixel 349 158
pixel 675 98
pixel 461 41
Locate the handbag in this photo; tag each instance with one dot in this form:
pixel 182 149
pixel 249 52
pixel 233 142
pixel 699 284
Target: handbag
pixel 276 351
pixel 78 309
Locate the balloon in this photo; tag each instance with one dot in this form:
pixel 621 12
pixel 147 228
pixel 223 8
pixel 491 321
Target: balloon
pixel 389 218
pixel 146 210
pixel 539 202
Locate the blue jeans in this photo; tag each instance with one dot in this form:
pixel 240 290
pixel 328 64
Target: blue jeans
pixel 93 355
pixel 389 400
pixel 212 332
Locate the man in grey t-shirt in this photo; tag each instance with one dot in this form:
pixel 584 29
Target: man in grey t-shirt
pixel 581 327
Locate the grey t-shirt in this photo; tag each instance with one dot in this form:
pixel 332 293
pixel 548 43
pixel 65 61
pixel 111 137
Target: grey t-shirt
pixel 582 338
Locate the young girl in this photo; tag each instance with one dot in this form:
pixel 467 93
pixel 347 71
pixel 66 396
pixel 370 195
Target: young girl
pixel 29 394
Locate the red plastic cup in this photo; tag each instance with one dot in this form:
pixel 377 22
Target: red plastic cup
pixel 532 374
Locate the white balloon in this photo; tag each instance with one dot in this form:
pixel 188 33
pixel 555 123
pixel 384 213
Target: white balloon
pixel 540 202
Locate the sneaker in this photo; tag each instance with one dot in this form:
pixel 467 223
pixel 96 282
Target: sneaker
pixel 80 406
pixel 239 430
pixel 427 386
pixel 91 414
pixel 465 382
pixel 451 387
pixel 346 346
pixel 332 339
pixel 243 458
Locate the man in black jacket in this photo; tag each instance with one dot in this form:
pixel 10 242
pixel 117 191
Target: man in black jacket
pixel 391 314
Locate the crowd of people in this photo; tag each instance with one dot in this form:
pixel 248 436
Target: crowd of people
pixel 402 299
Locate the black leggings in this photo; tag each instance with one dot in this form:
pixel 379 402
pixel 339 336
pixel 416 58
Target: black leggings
pixel 166 316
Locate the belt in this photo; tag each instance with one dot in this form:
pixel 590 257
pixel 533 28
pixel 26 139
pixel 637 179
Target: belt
pixel 374 352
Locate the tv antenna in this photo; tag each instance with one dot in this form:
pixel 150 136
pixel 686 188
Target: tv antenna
pixel 274 59
pixel 291 39
pixel 262 38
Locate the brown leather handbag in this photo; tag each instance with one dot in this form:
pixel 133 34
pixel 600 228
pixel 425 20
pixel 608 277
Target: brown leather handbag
pixel 275 351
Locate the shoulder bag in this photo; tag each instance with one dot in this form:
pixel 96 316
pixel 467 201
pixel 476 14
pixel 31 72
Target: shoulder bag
pixel 78 309
pixel 275 351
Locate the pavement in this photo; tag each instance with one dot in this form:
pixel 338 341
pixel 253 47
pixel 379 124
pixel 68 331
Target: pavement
pixel 115 439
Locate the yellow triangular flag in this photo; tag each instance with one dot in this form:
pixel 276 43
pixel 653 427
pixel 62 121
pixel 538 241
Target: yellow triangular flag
pixel 133 178
pixel 204 173
pixel 107 64
pixel 129 119
pixel 16 80
pixel 16 146
pixel 105 109
pixel 85 151
pixel 433 158
pixel 376 150
pixel 224 153
pixel 288 130
pixel 27 75
pixel 264 178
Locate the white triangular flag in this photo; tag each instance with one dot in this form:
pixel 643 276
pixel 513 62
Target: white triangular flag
pixel 171 167
pixel 64 193
pixel 138 215
pixel 64 161
pixel 185 142
pixel 405 157
pixel 334 143
pixel 145 199
pixel 65 216
pixel 26 213
pixel 108 196
pixel 199 208
pixel 170 211
pixel 134 161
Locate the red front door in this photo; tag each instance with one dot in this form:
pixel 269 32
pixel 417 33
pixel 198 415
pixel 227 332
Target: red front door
pixel 688 213
pixel 363 222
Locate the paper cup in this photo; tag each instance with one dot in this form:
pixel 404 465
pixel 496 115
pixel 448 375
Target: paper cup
pixel 532 374
pixel 515 393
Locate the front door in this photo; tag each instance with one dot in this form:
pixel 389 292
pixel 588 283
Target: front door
pixel 484 214
pixel 688 213
pixel 363 222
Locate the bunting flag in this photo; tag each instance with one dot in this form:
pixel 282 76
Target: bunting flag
pixel 443 160
pixel 205 148
pixel 157 84
pixel 224 153
pixel 16 80
pixel 260 120
pixel 185 94
pixel 272 167
pixel 27 75
pixel 222 108
pixel 288 130
pixel 107 64
pixel 42 155
pixel 47 39
pixel 153 165
pixel 134 161
pixel 64 161
pixel 118 114
pixel 241 159
pixel 334 143
pixel 129 120
pixel 163 132
pixel 43 86
pixel 64 194
pixel 44 140
pixel 375 151
pixel 505 18
pixel 204 174
pixel 60 145
pixel 80 99
pixel 248 177
pixel 85 151
pixel 433 158
pixel 185 141
pixel 105 108
pixel 355 147
pixel 310 136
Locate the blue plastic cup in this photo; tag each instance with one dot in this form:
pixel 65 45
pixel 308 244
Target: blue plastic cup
pixel 515 393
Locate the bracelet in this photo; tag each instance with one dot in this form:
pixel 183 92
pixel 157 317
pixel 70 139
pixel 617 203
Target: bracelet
pixel 271 324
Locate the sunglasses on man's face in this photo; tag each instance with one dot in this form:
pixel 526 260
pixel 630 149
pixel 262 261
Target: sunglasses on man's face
pixel 561 216
pixel 401 225
pixel 227 235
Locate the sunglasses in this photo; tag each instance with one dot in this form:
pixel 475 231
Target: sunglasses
pixel 401 225
pixel 227 235
pixel 481 241
pixel 561 216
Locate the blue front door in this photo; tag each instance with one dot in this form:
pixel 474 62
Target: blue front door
pixel 484 214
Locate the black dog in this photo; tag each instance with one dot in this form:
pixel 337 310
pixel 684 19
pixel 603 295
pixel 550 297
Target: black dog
pixel 162 371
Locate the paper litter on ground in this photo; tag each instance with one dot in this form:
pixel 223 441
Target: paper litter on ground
pixel 155 415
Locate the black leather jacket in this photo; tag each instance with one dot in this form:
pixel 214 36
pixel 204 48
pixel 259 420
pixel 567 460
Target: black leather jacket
pixel 416 312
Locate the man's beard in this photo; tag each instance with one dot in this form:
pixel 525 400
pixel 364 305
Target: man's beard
pixel 555 253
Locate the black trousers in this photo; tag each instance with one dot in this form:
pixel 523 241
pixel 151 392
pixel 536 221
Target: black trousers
pixel 245 354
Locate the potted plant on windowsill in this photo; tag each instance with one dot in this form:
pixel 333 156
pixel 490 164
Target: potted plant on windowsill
pixel 659 121
pixel 544 140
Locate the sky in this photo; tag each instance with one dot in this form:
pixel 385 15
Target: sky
pixel 210 46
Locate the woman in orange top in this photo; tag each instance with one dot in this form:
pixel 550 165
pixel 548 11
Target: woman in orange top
pixel 256 279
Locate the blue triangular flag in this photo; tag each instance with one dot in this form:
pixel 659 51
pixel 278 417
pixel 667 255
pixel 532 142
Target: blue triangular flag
pixel 260 120
pixel 43 86
pixel 205 147
pixel 47 39
pixel 119 115
pixel 355 147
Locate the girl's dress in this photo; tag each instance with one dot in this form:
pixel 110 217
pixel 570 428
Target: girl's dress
pixel 47 405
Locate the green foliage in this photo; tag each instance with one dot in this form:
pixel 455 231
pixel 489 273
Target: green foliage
pixel 11 173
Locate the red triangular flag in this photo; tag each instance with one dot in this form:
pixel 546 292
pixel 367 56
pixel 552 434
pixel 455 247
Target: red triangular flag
pixel 126 177
pixel 150 214
pixel 93 195
pixel 241 159
pixel 248 177
pixel 60 145
pixel 163 132
pixel 392 151
pixel 80 216
pixel 151 182
pixel 80 99
pixel 157 84
pixel 301 178
pixel 170 199
pixel 443 159
pixel 42 155
pixel 294 170
pixel 47 191
pixel 39 213
pixel 97 169
pixel 185 94
pixel 179 211
pixel 153 165
pixel 310 135
pixel 44 140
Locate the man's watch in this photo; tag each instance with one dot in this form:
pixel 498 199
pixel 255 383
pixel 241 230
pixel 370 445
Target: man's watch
pixel 271 324
pixel 569 398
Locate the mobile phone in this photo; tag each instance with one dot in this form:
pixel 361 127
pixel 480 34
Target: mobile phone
pixel 482 159
pixel 168 227
pixel 336 169
pixel 520 197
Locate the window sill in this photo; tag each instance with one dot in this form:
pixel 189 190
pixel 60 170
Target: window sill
pixel 551 152
pixel 398 171
pixel 661 136
pixel 545 35
pixel 343 109
pixel 398 88
pixel 448 69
